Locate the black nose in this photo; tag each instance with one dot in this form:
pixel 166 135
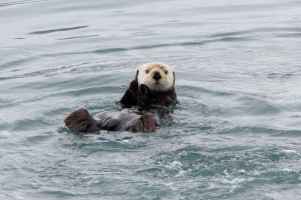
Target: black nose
pixel 157 76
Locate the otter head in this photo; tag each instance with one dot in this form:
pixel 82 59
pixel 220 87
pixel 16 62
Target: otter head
pixel 159 77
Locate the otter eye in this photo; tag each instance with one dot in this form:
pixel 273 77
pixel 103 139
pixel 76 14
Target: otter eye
pixel 166 72
pixel 146 71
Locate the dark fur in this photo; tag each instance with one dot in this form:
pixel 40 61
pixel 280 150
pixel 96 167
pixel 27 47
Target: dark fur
pixel 81 121
pixel 141 121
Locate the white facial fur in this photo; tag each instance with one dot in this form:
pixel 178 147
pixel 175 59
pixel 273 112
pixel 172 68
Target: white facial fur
pixel 147 72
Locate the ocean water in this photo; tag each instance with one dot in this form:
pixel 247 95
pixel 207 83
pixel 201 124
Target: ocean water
pixel 236 128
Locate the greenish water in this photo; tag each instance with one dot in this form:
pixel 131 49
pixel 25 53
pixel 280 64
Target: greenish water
pixel 236 130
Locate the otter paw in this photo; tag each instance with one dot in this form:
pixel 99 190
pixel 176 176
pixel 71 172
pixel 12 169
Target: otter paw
pixel 144 89
pixel 144 96
pixel 133 86
pixel 146 123
pixel 79 121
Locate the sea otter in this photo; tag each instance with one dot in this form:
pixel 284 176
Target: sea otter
pixel 152 89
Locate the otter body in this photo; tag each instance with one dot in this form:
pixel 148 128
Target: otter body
pixel 152 90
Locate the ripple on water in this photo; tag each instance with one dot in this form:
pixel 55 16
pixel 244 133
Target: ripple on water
pixel 236 170
pixel 57 30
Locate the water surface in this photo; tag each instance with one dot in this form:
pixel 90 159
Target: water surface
pixel 236 128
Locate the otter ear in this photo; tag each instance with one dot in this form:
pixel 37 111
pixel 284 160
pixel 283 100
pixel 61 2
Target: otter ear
pixel 174 78
pixel 136 77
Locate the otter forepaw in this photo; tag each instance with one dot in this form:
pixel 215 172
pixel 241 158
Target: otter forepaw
pixel 144 89
pixel 133 86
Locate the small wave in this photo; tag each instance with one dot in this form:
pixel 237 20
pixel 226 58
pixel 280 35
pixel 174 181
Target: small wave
pixel 156 46
pixel 112 50
pixel 78 37
pixel 251 32
pixel 20 2
pixel 289 133
pixel 57 30
pixel 290 35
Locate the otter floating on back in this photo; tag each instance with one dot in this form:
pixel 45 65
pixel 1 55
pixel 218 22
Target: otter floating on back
pixel 152 88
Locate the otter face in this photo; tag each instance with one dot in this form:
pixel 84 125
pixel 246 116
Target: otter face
pixel 158 77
